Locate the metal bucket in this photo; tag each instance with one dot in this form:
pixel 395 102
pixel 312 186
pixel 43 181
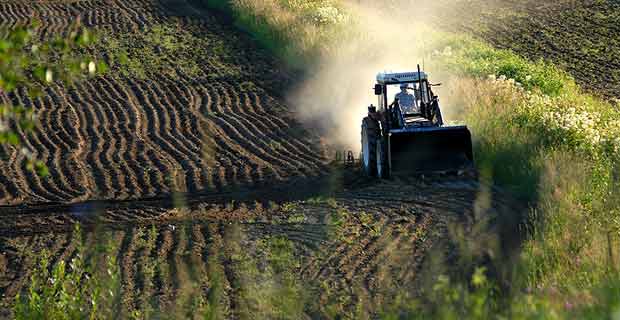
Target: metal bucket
pixel 430 150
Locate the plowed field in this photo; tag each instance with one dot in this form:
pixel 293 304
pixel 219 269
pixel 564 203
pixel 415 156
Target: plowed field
pixel 389 230
pixel 579 36
pixel 117 138
pixel 124 150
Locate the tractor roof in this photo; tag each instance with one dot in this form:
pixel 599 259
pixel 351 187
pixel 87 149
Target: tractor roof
pixel 400 77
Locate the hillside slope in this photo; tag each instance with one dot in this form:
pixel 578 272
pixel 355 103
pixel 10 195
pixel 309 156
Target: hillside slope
pixel 582 37
pixel 150 127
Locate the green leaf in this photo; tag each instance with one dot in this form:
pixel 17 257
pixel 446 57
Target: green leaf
pixel 42 170
pixel 13 139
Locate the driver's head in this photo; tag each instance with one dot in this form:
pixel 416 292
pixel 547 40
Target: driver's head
pixel 403 87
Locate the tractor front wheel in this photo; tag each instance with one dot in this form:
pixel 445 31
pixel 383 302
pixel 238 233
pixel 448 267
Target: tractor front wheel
pixel 370 137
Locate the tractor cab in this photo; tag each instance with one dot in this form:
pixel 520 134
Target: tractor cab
pixel 409 100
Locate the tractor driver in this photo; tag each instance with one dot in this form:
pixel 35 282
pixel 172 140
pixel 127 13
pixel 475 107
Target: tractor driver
pixel 406 100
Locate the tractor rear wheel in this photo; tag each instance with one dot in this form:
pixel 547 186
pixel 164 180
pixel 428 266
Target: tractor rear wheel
pixel 370 137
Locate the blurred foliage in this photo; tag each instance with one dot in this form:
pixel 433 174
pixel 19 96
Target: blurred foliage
pixel 29 63
pixel 80 289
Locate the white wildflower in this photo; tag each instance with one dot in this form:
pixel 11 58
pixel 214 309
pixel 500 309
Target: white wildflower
pixel 49 77
pixel 328 15
pixel 91 67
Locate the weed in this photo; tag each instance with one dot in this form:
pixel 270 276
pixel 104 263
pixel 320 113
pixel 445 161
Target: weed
pixel 78 290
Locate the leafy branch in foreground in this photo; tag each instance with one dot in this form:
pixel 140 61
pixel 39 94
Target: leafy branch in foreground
pixel 30 64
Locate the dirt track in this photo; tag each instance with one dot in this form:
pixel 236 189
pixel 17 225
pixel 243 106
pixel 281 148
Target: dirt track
pixel 123 152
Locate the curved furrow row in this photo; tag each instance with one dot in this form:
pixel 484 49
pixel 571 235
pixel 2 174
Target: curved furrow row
pixel 129 269
pixel 67 120
pixel 106 127
pixel 261 143
pixel 256 101
pixel 192 153
pixel 209 99
pixel 218 149
pixel 235 131
pixel 20 180
pixel 136 18
pixel 183 283
pixel 108 17
pixel 198 259
pixel 226 150
pixel 126 143
pixel 193 125
pixel 77 124
pixel 10 183
pixel 160 152
pixel 16 12
pixel 279 141
pixel 127 179
pixel 222 98
pixel 59 142
pixel 147 257
pixel 265 126
pixel 180 96
pixel 158 128
pixel 301 147
pixel 40 185
pixel 94 154
pixel 153 168
pixel 55 26
pixel 226 154
pixel 123 179
pixel 165 244
pixel 214 105
pixel 10 186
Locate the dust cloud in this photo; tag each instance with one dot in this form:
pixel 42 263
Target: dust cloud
pixel 336 94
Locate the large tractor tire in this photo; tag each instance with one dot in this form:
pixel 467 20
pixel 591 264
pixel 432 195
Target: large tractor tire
pixel 383 171
pixel 370 137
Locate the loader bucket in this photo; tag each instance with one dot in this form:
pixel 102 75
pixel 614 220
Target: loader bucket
pixel 430 150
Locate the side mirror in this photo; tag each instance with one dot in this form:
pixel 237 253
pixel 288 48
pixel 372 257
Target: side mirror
pixel 378 89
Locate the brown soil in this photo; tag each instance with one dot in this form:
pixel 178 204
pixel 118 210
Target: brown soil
pixel 123 153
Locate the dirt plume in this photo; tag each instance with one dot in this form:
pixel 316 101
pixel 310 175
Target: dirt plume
pixel 390 37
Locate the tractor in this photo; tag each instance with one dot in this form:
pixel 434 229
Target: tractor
pixel 407 135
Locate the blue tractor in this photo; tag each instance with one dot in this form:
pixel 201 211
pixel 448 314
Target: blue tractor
pixel 405 132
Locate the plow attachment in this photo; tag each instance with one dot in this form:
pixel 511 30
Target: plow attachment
pixel 430 150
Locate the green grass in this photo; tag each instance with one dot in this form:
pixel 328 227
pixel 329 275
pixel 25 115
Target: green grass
pixel 167 50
